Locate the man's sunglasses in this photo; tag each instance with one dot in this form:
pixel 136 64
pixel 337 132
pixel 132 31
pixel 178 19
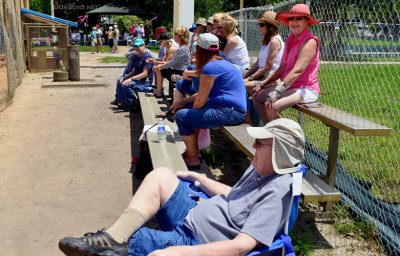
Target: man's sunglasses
pixel 135 46
pixel 261 25
pixel 295 18
pixel 258 144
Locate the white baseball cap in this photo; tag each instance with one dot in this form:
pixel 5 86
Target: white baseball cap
pixel 208 41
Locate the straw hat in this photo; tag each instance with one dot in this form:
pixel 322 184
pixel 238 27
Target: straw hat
pixel 201 21
pixel 270 18
pixel 299 10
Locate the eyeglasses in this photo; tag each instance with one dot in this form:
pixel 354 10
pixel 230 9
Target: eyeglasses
pixel 261 24
pixel 258 144
pixel 136 46
pixel 296 18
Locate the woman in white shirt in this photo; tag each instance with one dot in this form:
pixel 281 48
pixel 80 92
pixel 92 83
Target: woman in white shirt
pixel 235 50
pixel 271 51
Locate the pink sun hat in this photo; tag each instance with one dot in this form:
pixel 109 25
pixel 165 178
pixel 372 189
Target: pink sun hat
pixel 298 10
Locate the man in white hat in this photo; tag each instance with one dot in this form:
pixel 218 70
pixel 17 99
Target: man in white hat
pixel 233 222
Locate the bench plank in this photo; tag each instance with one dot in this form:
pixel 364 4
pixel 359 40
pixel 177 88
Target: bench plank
pixel 167 153
pixel 350 123
pixel 313 188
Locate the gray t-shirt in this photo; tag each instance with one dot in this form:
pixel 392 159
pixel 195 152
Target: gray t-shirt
pixel 254 206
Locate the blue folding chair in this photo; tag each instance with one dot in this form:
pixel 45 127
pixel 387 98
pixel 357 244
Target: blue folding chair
pixel 281 244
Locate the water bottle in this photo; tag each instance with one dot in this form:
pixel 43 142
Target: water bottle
pixel 161 132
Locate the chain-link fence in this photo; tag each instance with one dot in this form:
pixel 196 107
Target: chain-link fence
pixel 46 46
pixel 359 73
pixel 11 50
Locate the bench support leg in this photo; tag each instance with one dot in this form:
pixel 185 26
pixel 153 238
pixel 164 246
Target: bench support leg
pixel 332 156
pixel 329 178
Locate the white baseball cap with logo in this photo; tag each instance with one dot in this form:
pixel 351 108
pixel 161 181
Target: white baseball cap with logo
pixel 208 41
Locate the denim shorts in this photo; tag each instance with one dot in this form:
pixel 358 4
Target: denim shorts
pixel 170 219
pixel 207 117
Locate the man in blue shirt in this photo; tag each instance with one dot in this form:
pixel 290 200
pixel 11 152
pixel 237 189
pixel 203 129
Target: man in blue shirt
pixel 134 77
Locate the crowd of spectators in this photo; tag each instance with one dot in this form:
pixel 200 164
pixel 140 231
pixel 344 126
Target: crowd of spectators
pixel 214 86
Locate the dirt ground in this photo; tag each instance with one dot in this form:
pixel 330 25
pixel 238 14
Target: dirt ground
pixel 65 157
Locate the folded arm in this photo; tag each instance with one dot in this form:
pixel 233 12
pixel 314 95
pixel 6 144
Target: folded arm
pixel 209 186
pixel 240 245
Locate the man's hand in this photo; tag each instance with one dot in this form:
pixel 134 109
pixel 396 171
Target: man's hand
pixel 176 78
pixel 172 251
pixel 127 81
pixel 150 60
pixel 185 175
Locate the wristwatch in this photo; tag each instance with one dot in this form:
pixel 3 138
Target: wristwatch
pixel 251 77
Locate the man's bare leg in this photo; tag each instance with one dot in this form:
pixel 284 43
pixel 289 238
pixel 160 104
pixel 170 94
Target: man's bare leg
pixel 155 190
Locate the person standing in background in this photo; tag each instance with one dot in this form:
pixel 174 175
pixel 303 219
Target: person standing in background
pixel 147 34
pixel 115 38
pixel 93 38
pixel 99 35
pixel 110 34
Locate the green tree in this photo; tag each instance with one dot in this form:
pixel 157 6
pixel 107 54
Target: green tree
pixel 42 6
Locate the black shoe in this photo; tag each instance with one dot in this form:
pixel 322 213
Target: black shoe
pixel 122 105
pixel 99 243
pixel 114 102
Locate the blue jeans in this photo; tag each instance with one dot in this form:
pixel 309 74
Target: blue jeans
pixel 170 219
pixel 207 117
pixel 119 95
pixel 129 90
pixel 185 86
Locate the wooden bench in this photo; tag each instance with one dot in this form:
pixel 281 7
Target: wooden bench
pixel 167 153
pixel 338 120
pixel 313 188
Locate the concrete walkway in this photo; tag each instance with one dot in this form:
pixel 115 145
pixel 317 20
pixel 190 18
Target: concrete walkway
pixel 65 156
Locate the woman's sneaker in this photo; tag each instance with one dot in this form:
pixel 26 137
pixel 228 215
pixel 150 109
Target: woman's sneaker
pixel 99 243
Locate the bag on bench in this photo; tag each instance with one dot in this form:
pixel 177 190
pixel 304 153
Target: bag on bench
pixel 143 165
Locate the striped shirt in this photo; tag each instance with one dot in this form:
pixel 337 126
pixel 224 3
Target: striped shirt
pixel 180 60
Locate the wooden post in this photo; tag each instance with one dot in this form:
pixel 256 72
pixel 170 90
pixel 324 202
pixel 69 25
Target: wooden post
pixel 332 156
pixel 183 13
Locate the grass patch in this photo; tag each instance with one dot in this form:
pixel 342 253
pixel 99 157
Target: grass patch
pixel 114 60
pixel 349 225
pixel 373 42
pixel 88 48
pixel 303 244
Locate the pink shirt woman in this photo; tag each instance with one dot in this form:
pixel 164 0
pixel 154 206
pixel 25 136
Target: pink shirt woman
pixel 297 72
